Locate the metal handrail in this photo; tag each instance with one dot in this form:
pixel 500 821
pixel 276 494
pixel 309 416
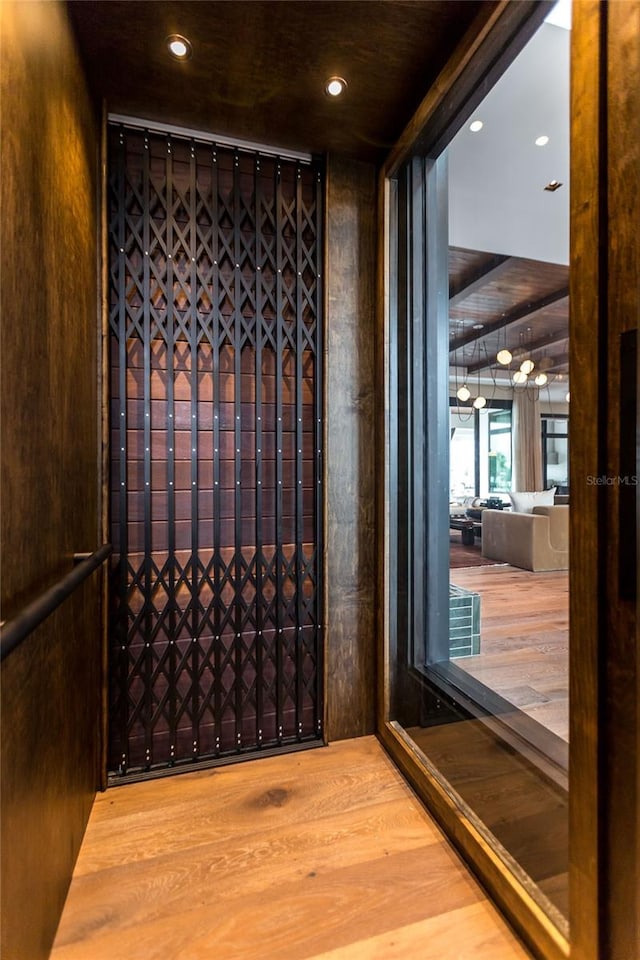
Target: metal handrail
pixel 15 631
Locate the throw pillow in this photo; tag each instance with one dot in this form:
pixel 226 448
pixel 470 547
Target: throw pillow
pixel 524 502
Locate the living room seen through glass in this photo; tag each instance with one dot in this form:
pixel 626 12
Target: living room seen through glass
pixel 480 528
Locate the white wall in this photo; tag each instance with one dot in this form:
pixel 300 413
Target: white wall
pixel 497 200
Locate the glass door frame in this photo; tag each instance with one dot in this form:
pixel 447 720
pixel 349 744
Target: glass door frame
pixel 603 822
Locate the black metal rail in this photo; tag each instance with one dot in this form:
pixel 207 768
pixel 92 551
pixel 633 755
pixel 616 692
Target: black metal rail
pixel 18 629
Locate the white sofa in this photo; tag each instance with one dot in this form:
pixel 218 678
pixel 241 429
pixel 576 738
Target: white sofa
pixel 533 541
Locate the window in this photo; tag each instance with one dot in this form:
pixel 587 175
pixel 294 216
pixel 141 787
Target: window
pixel 555 453
pixel 480 454
pixel 499 452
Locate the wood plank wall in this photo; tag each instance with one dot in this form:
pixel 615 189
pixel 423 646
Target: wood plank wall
pixel 622 710
pixel 350 448
pixel 604 676
pixel 48 416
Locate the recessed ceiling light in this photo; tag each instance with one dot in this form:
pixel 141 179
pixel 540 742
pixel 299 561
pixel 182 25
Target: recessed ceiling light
pixel 478 326
pixel 335 86
pixel 542 141
pixel 476 126
pixel 553 185
pixel 179 47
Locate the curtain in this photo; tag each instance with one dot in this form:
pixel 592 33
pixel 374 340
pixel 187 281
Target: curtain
pixel 527 444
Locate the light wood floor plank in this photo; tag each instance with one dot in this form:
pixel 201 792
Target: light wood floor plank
pixel 476 938
pixel 211 808
pixel 320 853
pixel 524 639
pixel 248 866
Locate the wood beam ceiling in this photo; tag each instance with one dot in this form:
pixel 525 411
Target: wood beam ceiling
pixel 522 312
pixel 531 348
pixel 478 278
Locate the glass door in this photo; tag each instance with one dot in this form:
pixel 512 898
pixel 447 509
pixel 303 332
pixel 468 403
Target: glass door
pixel 478 333
pixel 501 798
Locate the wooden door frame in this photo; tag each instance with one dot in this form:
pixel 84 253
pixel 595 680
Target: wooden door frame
pixel 604 755
pixel 604 285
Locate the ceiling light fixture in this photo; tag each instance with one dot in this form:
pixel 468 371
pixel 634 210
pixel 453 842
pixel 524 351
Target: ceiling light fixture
pixel 542 141
pixel 476 126
pixel 335 86
pixel 463 393
pixel 479 402
pixel 523 377
pixel 179 47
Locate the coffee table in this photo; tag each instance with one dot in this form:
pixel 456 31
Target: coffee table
pixel 468 528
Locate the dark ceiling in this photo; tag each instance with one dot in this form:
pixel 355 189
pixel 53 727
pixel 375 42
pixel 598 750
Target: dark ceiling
pixel 258 72
pixel 259 67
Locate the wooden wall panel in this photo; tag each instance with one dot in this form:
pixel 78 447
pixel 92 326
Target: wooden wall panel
pixel 584 574
pixel 605 283
pixel 622 710
pixel 49 435
pixel 350 449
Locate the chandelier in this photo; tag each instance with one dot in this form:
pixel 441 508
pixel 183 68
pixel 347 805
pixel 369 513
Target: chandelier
pixel 528 372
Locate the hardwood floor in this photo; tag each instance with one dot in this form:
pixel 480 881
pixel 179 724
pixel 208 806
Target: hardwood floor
pixel 321 854
pixel 527 812
pixel 524 641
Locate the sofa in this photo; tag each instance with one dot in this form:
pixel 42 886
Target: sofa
pixel 533 541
